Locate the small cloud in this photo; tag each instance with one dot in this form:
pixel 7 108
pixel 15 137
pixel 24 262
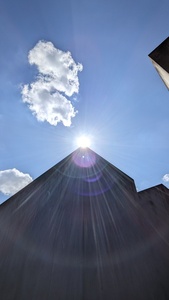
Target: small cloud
pixel 166 178
pixel 47 97
pixel 12 180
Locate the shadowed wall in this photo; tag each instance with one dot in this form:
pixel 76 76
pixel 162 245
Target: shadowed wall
pixel 80 232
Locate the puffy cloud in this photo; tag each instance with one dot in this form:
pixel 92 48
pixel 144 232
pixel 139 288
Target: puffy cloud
pixel 12 180
pixel 46 106
pixel 166 178
pixel 58 67
pixel 57 80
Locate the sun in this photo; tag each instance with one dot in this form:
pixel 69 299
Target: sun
pixel 83 141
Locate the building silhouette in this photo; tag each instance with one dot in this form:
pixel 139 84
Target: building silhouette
pixel 81 231
pixel 160 59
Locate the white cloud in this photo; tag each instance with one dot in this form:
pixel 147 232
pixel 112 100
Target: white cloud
pixel 12 180
pixel 166 178
pixel 57 80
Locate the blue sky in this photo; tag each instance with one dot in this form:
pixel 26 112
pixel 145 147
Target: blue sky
pixel 122 103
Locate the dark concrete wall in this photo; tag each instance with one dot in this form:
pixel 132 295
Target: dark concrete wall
pixel 76 233
pixel 155 204
pixel 160 60
pixel 161 55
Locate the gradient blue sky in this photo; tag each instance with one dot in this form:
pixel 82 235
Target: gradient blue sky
pixel 122 103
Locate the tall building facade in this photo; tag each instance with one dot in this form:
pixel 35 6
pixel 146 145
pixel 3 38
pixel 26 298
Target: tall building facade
pixel 82 232
pixel 160 59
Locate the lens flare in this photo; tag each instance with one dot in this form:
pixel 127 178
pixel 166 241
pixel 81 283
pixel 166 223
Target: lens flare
pixel 83 141
pixel 84 160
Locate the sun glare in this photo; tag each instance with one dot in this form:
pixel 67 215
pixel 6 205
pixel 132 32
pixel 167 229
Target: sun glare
pixel 83 141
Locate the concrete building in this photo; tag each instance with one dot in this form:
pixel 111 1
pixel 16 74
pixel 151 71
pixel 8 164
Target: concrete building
pixel 160 59
pixel 82 232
